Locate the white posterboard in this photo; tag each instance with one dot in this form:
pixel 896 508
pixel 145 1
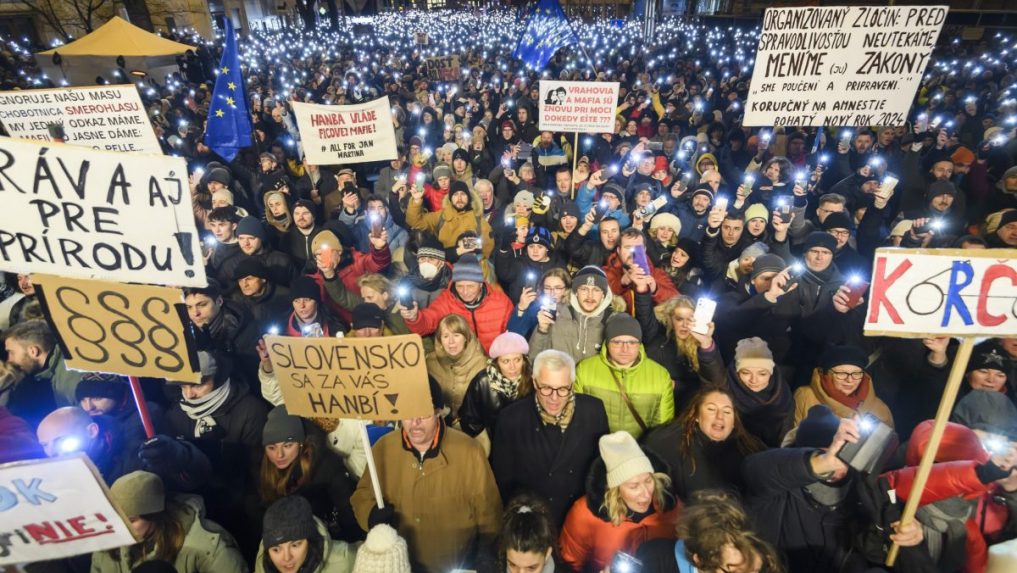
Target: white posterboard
pixel 110 118
pixel 578 107
pixel 81 213
pixel 840 66
pixel 939 292
pixel 56 508
pixel 344 134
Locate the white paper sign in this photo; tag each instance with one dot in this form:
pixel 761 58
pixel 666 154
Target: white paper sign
pixel 578 107
pixel 840 66
pixel 943 292
pixel 343 134
pixel 56 508
pixel 111 118
pixel 81 213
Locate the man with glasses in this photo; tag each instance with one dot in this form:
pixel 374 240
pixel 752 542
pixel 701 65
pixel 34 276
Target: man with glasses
pixel 845 256
pixel 841 383
pixel 438 490
pixel 636 391
pixel 576 324
pixel 546 444
pixel 801 225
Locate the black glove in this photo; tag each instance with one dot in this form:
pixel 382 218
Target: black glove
pixel 386 515
pixel 161 454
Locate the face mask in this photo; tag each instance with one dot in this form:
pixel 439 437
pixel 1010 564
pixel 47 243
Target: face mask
pixel 428 271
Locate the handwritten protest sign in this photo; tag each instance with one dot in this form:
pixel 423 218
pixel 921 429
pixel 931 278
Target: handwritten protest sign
pixel 420 38
pixel 840 66
pixel 937 292
pixel 443 69
pixel 110 118
pixel 56 508
pixel 364 378
pixel 346 133
pixel 133 330
pixel 83 213
pixel 578 107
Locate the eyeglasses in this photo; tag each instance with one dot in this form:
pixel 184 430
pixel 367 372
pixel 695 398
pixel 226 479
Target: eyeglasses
pixel 839 375
pixel 562 392
pixel 839 232
pixel 627 343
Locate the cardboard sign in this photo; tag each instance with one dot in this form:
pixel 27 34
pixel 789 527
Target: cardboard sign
pixel 82 213
pixel 381 378
pixel 345 134
pixel 133 330
pixel 578 107
pixel 111 118
pixel 56 508
pixel 937 292
pixel 420 38
pixel 840 66
pixel 443 69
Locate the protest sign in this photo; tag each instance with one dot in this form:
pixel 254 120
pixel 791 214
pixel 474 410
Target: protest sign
pixel 840 66
pixel 359 133
pixel 381 378
pixel 578 107
pixel 133 330
pixel 443 69
pixel 420 38
pixel 82 213
pixel 111 118
pixel 939 292
pixel 56 508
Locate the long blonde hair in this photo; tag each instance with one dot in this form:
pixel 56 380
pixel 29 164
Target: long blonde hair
pixel 615 506
pixel 664 313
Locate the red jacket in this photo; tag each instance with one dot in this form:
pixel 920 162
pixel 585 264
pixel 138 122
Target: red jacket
pixel 487 321
pixel 588 543
pixel 614 271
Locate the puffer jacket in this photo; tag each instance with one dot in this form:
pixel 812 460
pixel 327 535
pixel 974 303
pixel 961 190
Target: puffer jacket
pixel 574 332
pixel 813 394
pixel 487 320
pixel 647 384
pixel 207 548
pixel 589 540
pixel 454 374
pixel 337 556
pixel 449 223
pixel 483 401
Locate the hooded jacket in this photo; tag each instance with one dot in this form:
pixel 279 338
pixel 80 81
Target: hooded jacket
pixel 577 333
pixel 449 223
pixel 647 384
pixel 589 540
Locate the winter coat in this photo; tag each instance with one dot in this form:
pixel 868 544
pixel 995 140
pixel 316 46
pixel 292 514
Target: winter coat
pixel 709 465
pixel 578 334
pixel 58 377
pixel 446 504
pixel 663 349
pixel 17 440
pixel 614 271
pixel 454 374
pixel 487 321
pixel 768 414
pixel 808 396
pixel 483 402
pixel 743 313
pixel 665 556
pixel 529 455
pixel 589 540
pixel 449 223
pixel 717 255
pixel 224 260
pixel 280 267
pixel 207 548
pixel 337 556
pixel 647 384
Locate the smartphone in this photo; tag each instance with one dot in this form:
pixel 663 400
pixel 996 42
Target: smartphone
pixel 600 210
pixel 703 315
pixel 639 258
pixel 653 206
pixel 797 270
pixel 783 211
pixel 857 286
pixel 471 243
pixel 404 296
pixel 655 146
pixel 721 203
pixel 312 330
pixel 625 563
pixel 530 280
pixel 887 186
pixel 548 305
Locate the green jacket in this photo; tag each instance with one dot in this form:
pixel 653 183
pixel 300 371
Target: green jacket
pixel 647 384
pixel 208 548
pixel 63 381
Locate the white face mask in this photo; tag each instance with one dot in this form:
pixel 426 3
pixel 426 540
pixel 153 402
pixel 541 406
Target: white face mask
pixel 428 271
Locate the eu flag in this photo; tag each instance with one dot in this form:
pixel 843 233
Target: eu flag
pixel 547 30
pixel 229 124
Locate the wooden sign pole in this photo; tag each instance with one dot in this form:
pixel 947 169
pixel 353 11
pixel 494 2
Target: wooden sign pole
pixel 375 482
pixel 960 364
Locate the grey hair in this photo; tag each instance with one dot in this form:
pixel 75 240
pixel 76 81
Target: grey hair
pixel 483 182
pixel 554 360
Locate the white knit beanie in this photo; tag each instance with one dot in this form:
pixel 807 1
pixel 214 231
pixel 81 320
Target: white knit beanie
pixel 383 552
pixel 753 353
pixel 623 458
pixel 1002 557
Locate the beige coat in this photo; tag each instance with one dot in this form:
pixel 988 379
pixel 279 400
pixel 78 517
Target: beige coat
pixel 808 396
pixel 454 375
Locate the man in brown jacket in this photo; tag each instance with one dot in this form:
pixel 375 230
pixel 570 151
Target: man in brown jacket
pixel 438 488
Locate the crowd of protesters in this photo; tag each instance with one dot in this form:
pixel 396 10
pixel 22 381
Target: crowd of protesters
pixel 582 418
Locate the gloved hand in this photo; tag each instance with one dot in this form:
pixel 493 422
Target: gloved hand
pixel 386 515
pixel 161 454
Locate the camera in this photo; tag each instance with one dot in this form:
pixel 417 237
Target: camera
pixel 873 448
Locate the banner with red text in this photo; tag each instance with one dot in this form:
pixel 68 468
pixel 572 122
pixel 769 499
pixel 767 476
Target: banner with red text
pixel 343 134
pixel 578 107
pixel 56 508
pixel 937 292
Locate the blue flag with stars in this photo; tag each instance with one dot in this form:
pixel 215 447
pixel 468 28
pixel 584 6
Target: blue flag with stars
pixel 547 30
pixel 229 124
